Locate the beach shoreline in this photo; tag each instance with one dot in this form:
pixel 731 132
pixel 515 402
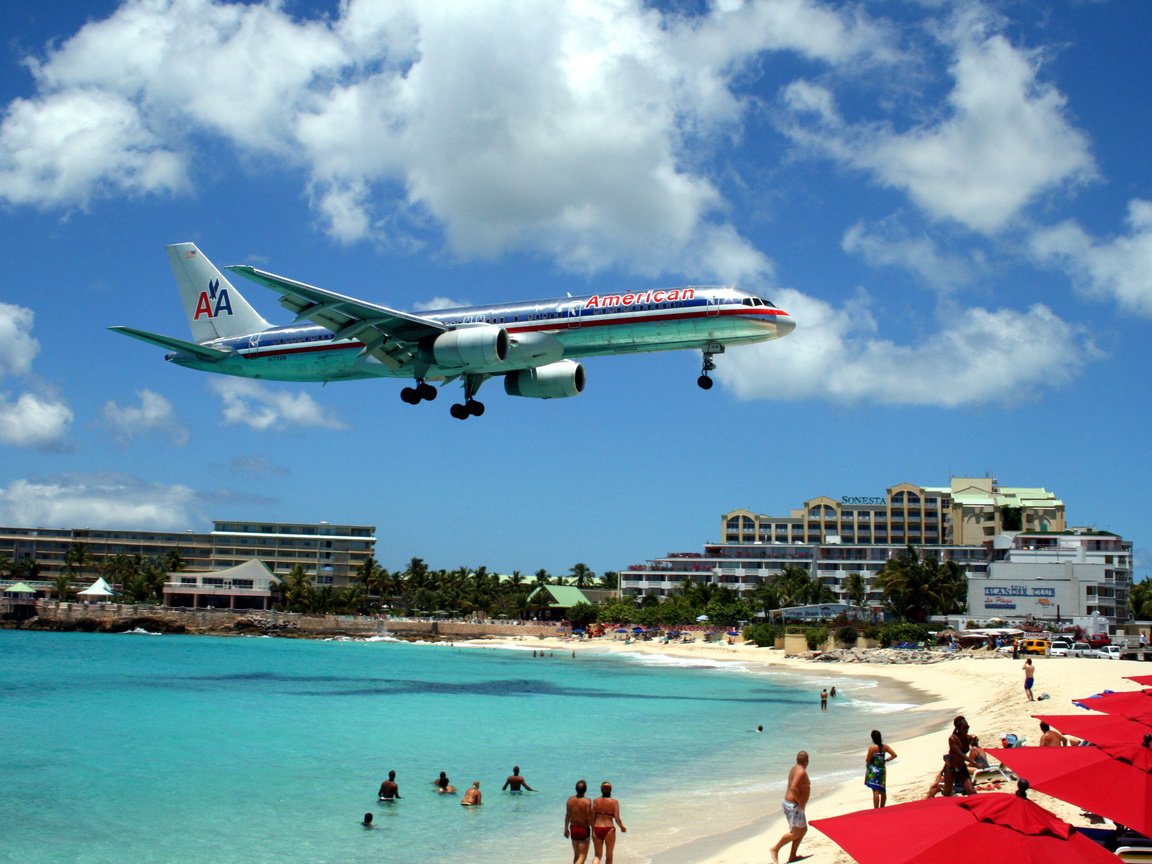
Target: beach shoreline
pixel 987 688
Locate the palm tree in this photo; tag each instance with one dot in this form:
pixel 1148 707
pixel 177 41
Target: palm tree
pixel 77 556
pixel 916 587
pixel 582 575
pixel 62 587
pixel 173 561
pixel 854 589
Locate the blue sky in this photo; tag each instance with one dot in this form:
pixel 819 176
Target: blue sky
pixel 954 200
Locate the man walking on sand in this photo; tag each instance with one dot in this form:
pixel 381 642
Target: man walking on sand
pixel 1029 677
pixel 795 800
pixel 578 822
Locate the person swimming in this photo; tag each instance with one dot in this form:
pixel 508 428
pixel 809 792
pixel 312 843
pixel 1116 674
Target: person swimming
pixel 443 785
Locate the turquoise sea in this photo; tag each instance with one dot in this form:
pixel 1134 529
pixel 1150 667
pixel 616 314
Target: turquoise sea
pixel 201 750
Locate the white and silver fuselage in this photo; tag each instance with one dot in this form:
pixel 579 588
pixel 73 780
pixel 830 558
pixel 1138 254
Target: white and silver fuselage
pixel 693 317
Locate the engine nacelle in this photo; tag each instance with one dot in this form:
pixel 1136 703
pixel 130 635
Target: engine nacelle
pixel 554 381
pixel 479 348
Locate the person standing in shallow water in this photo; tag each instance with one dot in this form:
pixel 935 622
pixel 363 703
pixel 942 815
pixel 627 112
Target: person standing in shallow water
pixel 605 818
pixel 578 822
pixel 876 769
pixel 389 791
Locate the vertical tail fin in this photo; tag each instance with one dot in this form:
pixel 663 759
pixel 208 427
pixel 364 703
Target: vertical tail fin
pixel 214 307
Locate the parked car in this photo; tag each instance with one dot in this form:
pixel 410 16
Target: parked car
pixel 1109 652
pixel 1059 648
pixel 1099 640
pixel 1033 646
pixel 1081 649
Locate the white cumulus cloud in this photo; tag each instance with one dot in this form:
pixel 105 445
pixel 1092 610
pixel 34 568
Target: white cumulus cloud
pixel 36 417
pixel 257 406
pixel 1119 268
pixel 503 125
pixel 977 356
pixel 154 414
pixel 98 501
pixel 1004 139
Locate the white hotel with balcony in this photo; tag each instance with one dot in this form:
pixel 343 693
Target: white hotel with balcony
pixel 995 533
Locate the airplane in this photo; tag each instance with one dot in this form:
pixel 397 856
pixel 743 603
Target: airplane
pixel 530 344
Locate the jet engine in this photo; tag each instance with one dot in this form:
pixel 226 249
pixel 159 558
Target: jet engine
pixel 479 348
pixel 555 381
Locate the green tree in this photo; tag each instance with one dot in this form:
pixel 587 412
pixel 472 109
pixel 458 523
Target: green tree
pixel 581 615
pixel 1140 600
pixel 855 591
pixel 582 575
pixel 76 557
pixel 915 587
pixel 173 561
pixel 62 587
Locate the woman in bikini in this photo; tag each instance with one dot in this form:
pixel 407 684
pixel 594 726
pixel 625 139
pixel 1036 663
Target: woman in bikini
pixel 605 812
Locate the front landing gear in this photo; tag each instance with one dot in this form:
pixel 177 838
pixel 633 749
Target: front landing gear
pixel 710 350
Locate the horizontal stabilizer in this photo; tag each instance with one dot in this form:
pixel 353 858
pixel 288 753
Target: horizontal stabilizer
pixel 201 351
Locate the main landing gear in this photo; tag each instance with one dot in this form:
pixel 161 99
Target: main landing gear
pixel 423 391
pixel 710 350
pixel 469 407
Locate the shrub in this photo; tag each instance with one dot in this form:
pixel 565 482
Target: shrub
pixel 893 634
pixel 815 637
pixel 764 635
pixel 847 635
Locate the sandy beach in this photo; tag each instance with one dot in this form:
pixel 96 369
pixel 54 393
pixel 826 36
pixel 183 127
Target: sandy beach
pixel 986 688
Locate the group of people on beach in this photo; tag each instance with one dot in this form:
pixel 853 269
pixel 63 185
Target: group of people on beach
pixel 587 820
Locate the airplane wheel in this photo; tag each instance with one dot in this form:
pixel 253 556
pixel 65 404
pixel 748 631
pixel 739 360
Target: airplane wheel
pixel 705 382
pixel 460 412
pixel 476 409
pixel 426 391
pixel 410 395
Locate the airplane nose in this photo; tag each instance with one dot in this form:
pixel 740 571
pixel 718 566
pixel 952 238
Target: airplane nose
pixel 785 324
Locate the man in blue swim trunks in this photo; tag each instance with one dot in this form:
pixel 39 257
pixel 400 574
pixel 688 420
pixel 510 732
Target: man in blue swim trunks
pixel 1029 678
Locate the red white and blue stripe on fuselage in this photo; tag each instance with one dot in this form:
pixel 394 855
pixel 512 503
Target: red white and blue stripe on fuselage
pixel 694 317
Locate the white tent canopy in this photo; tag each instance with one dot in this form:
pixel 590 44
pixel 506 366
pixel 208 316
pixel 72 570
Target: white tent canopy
pixel 99 588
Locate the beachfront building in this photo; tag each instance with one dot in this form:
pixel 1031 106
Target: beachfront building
pixel 1073 574
pixel 970 511
pixel 245 586
pixel 331 553
pixel 742 566
pixel 972 522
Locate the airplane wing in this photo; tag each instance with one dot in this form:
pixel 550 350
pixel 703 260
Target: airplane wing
pixel 202 351
pixel 388 335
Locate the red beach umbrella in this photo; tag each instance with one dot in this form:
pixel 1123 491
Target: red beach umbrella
pixel 1120 738
pixel 976 830
pixel 1097 729
pixel 1088 778
pixel 1134 705
pixel 1142 680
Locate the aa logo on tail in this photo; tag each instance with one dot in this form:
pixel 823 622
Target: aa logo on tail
pixel 213 302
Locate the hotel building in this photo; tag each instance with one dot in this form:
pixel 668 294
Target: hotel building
pixel 331 553
pixel 971 522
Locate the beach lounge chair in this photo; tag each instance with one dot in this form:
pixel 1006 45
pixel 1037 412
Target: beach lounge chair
pixel 992 779
pixel 1133 854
